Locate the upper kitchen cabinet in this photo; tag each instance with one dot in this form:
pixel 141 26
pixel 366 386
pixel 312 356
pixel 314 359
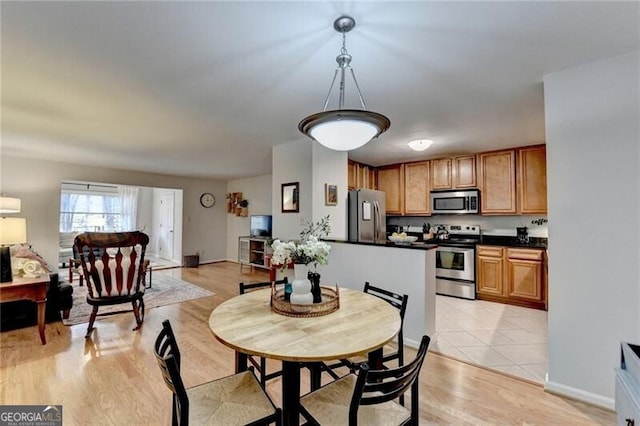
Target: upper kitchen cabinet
pixel 441 174
pixel 532 180
pixel 416 188
pixel 391 182
pixel 361 176
pixel 464 171
pixel 497 182
pixel 453 172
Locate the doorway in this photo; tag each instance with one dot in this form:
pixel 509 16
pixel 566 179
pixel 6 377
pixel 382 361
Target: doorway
pixel 165 225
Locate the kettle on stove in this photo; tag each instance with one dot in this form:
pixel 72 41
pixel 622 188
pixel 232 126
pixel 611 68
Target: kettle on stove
pixel 442 233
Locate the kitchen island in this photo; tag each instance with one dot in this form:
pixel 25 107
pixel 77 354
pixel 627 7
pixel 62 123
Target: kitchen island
pixel 402 269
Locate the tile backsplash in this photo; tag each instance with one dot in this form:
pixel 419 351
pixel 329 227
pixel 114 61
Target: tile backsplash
pixel 490 225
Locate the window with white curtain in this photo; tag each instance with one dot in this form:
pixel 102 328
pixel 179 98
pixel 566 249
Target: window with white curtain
pixel 100 208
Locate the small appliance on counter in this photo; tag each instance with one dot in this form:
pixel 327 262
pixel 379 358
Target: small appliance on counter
pixel 522 234
pixel 367 216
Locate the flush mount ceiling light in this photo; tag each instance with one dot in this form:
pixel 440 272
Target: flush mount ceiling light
pixel 420 144
pixel 344 129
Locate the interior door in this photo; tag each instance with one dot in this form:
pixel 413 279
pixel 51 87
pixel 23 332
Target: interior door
pixel 165 239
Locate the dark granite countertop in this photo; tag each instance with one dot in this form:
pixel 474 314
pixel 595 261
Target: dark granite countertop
pixel 416 246
pixel 501 240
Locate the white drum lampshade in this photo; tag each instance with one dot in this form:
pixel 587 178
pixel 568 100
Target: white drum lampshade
pixel 10 205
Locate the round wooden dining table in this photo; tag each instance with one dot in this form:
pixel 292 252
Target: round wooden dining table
pixel 362 325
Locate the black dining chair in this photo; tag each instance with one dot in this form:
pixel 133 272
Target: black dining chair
pixel 232 400
pixel 368 397
pixel 390 352
pixel 261 363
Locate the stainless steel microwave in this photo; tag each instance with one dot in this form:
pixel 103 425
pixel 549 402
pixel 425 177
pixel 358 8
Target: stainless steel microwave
pixel 455 201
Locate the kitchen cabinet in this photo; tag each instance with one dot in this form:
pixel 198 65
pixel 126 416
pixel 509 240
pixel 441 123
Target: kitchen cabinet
pixel 532 180
pixel 453 172
pixel 497 182
pixel 441 174
pixel 490 271
pixel 464 171
pixel 361 176
pixel 416 188
pixel 512 275
pixel 391 182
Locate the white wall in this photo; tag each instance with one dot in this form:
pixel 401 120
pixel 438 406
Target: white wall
pixel 330 167
pixel 312 165
pixel 292 162
pixel 593 160
pixel 256 190
pixel 37 184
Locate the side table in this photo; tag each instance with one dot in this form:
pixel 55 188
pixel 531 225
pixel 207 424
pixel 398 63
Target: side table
pixel 34 289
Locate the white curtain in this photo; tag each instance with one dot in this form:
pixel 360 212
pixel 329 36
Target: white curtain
pixel 129 196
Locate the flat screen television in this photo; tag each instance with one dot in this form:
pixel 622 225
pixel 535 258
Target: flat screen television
pixel 260 225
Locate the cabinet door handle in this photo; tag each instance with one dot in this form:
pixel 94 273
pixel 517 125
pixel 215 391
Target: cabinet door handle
pixel 630 422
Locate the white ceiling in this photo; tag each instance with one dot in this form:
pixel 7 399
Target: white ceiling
pixel 207 88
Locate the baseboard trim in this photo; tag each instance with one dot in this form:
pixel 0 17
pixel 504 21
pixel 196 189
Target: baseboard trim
pixel 580 395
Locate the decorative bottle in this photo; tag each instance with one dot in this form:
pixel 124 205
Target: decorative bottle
pixel 314 278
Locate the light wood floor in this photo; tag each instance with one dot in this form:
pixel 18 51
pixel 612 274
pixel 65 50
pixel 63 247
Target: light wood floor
pixel 113 378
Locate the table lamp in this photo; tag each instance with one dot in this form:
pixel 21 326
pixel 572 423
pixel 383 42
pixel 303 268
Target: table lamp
pixel 13 230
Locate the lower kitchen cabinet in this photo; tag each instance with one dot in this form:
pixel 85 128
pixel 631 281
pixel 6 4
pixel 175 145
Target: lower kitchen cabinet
pixel 512 275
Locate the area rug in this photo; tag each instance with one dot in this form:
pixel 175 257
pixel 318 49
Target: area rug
pixel 165 290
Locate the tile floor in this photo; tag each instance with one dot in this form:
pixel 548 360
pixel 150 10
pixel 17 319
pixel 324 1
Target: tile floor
pixel 500 337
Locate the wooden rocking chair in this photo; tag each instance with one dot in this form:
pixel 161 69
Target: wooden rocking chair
pixel 113 268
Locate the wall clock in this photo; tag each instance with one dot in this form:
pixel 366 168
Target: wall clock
pixel 207 200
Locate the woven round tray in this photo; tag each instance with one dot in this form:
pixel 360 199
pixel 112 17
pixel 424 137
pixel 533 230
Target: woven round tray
pixel 330 303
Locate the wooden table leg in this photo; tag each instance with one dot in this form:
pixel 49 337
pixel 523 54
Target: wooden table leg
pixel 41 311
pixel 291 393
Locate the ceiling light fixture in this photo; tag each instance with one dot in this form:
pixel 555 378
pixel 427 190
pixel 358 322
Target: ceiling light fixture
pixel 420 144
pixel 344 129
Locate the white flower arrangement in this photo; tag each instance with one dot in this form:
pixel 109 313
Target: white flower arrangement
pixel 312 250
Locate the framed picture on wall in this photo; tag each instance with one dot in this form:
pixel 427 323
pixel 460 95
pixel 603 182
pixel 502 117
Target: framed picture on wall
pixel 330 195
pixel 290 197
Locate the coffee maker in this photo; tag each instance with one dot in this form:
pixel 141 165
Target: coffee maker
pixel 522 234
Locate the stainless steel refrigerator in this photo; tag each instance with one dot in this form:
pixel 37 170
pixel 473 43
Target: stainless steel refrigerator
pixel 367 216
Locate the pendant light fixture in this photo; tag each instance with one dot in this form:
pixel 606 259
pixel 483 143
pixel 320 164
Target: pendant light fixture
pixel 344 129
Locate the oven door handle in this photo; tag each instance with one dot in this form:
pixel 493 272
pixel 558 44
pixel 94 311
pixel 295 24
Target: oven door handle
pixel 455 249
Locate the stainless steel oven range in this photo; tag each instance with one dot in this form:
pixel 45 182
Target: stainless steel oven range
pixel 455 260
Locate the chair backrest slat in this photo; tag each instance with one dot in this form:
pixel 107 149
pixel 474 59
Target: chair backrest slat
pixel 396 300
pixel 378 386
pixel 244 287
